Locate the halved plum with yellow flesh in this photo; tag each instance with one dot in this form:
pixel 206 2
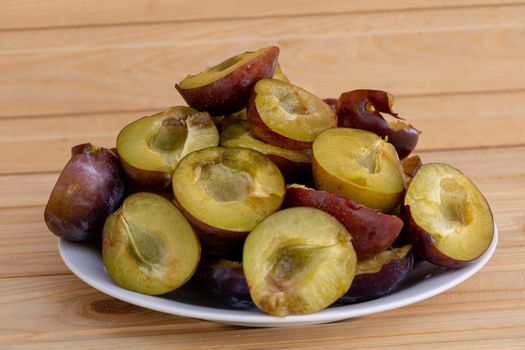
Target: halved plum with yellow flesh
pixel 287 116
pixel 222 122
pixel 410 166
pixel 359 165
pixel 279 75
pixel 225 88
pixel 448 219
pixel 225 279
pixel 361 109
pixel 148 246
pixel 151 147
pixel 372 231
pixel 298 261
pixel 294 164
pixel 380 275
pixel 227 191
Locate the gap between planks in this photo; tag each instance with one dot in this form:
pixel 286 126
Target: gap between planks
pixel 299 10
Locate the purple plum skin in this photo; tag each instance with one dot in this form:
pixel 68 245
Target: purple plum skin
pixel 352 113
pixel 90 187
pixel 369 286
pixel 229 285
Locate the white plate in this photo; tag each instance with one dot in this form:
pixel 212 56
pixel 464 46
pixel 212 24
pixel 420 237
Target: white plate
pixel 85 261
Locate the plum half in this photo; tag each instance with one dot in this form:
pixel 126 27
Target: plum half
pixel 227 191
pixel 287 116
pixel 225 280
pixel 90 187
pixel 148 245
pixel 361 109
pixel 294 164
pixel 151 147
pixel 359 165
pixel 372 231
pixel 380 275
pixel 448 220
pixel 298 261
pixel 225 88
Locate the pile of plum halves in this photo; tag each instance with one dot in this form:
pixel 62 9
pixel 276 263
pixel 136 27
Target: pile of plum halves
pixel 268 196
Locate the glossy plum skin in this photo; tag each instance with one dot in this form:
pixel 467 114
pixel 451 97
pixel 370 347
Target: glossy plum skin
pixel 146 180
pixel 292 171
pixel 372 231
pixel 228 284
pixel 353 112
pixel 332 102
pixel 90 187
pixel 230 93
pixel 216 247
pixel 367 286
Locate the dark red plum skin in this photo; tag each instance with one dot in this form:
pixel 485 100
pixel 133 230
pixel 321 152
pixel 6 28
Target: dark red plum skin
pixel 230 93
pixel 368 286
pixel 146 180
pixel 292 171
pixel 90 187
pixel 351 113
pixel 332 102
pixel 228 284
pixel 215 242
pixel 372 231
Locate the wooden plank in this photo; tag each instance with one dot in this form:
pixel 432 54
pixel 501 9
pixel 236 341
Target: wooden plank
pixel 27 248
pixel 126 68
pixel 499 173
pixel 41 14
pixel 51 137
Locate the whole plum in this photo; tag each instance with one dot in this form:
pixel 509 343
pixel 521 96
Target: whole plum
pixel 90 187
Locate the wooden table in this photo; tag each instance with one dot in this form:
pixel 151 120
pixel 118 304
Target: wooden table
pixel 73 71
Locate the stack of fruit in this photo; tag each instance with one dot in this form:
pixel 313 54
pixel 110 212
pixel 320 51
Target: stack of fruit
pixel 277 198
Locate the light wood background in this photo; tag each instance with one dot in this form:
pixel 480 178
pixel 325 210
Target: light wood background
pixel 73 71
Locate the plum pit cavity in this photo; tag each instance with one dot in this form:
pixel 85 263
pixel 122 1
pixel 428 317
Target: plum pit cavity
pixel 224 183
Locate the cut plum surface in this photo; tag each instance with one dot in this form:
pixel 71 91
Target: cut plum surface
pixel 279 75
pixel 292 163
pixel 448 219
pixel 361 109
pixel 298 261
pixel 359 165
pixel 380 275
pixel 225 87
pixel 372 231
pixel 90 187
pixel 151 147
pixel 227 191
pixel 287 116
pixel 148 246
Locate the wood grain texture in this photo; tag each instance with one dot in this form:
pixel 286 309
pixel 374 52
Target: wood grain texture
pixel 57 13
pixel 65 311
pixel 27 248
pixel 124 68
pixel 30 145
pixel 73 71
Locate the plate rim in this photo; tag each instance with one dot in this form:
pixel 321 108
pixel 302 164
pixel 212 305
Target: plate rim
pixel 248 318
